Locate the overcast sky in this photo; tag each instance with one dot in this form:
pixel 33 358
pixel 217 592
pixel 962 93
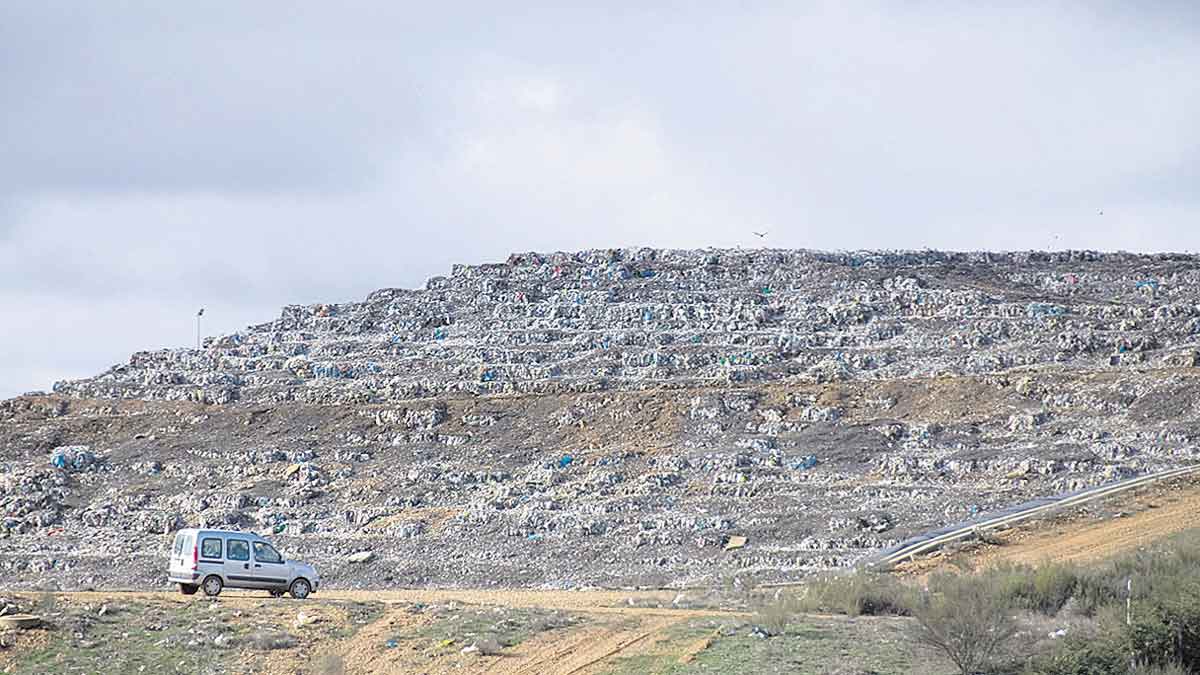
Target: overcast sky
pixel 162 156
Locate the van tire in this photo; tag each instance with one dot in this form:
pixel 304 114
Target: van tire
pixel 188 589
pixel 300 589
pixel 212 585
pixel 276 594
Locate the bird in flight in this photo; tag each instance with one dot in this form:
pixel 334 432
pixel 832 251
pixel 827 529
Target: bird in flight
pixel 1100 212
pixel 760 235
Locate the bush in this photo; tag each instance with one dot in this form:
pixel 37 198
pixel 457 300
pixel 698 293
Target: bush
pixel 967 619
pixel 861 593
pixel 1044 589
pixel 1083 656
pixel 775 616
pixel 1166 630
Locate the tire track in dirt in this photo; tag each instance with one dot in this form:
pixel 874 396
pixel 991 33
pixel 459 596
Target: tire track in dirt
pixel 564 651
pixel 582 650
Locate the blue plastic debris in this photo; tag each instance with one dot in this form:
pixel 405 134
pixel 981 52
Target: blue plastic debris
pixel 392 644
pixel 72 457
pixel 534 537
pixel 565 461
pixel 806 463
pixel 1042 309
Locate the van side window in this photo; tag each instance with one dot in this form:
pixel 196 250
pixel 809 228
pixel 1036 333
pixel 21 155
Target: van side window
pixel 263 552
pixel 210 548
pixel 239 549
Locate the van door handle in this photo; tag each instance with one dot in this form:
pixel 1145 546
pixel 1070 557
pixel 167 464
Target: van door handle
pixel 245 566
pixel 257 565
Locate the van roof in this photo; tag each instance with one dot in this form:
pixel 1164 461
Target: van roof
pixel 199 530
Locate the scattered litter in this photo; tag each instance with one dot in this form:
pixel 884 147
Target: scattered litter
pixel 1037 310
pixel 21 621
pixel 735 542
pixel 806 463
pixel 72 457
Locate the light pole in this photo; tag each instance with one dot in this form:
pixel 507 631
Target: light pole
pixel 198 315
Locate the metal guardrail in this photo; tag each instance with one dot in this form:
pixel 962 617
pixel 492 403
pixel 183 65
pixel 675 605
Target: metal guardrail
pixel 937 538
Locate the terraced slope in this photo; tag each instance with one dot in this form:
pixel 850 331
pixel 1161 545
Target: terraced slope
pixel 617 417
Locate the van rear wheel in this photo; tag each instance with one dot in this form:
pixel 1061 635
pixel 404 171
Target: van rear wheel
pixel 300 589
pixel 188 589
pixel 212 585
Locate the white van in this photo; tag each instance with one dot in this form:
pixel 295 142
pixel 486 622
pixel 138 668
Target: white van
pixel 216 559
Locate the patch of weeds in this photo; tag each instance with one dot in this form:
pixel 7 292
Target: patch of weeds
pixel 489 628
pixel 775 617
pixel 358 614
pixel 139 638
pixel 808 646
pixel 856 594
pixel 330 664
pixel 268 640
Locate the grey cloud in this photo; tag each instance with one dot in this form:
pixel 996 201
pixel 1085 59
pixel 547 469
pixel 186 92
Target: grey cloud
pixel 173 100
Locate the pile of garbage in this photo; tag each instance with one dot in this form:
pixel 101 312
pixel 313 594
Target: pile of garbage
pixel 621 319
pixel 72 458
pixel 683 417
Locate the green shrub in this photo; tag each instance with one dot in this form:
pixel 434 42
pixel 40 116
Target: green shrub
pixel 1083 656
pixel 1164 632
pixel 1043 589
pixel 967 619
pixel 860 593
pixel 779 613
pixel 1167 629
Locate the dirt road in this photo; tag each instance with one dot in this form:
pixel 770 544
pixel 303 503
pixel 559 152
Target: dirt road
pixel 1118 526
pixel 1099 540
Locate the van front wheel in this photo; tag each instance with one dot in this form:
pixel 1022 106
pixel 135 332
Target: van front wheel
pixel 188 589
pixel 212 585
pixel 300 589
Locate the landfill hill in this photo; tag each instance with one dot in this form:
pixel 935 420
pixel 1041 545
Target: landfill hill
pixel 617 417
